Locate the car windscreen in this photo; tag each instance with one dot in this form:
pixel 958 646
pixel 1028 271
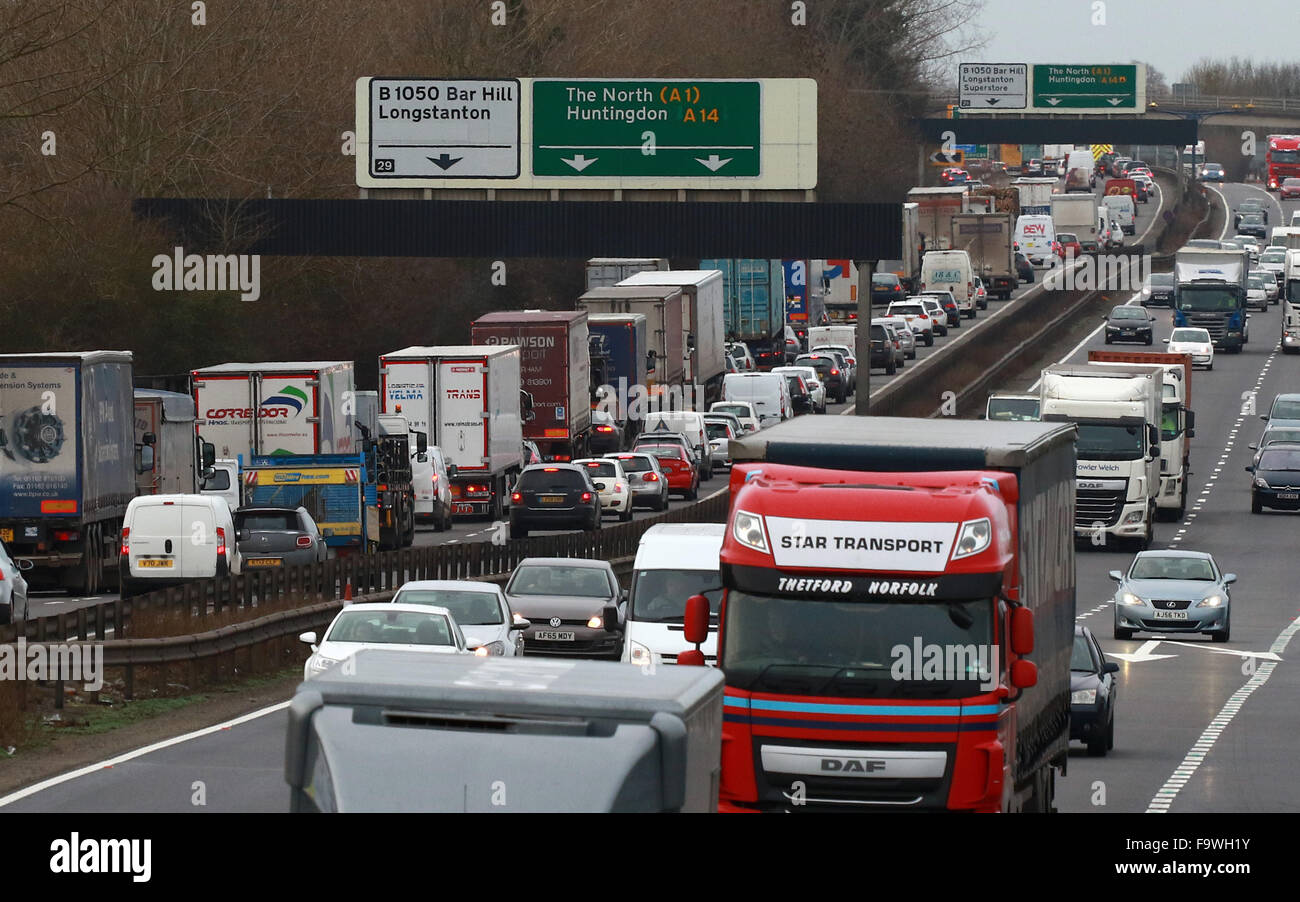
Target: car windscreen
pixel 391 628
pixel 735 409
pixel 1272 436
pixel 1081 656
pixel 1279 459
pixel 1128 313
pixel 604 469
pixel 888 280
pixel 1172 568
pixel 468 608
pixel 1162 279
pixel 557 579
pixel 716 430
pixel 1285 409
pixel 550 479
pixel 635 464
pixel 265 521
pixel 1191 336
pixel 906 310
pixel 659 596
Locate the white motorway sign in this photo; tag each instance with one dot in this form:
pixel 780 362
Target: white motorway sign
pixel 993 86
pixel 438 128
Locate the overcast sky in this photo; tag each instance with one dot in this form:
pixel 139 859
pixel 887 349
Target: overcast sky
pixel 1167 34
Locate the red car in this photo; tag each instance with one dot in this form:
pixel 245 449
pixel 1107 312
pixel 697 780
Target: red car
pixel 954 176
pixel 1290 188
pixel 683 475
pixel 1068 243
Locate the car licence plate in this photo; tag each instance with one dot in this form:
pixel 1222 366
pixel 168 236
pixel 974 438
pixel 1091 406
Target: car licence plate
pixel 264 562
pixel 147 562
pixel 462 508
pixel 553 636
pixel 6 535
pixel 1170 615
pixel 1288 496
pixel 551 499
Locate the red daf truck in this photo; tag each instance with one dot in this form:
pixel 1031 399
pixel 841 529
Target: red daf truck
pixel 898 615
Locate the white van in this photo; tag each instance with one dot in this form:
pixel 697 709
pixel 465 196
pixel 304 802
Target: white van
pixel 768 392
pixel 1035 235
pixel 688 423
pixel 1122 209
pixel 1080 171
pixel 673 562
pixel 172 539
pixel 950 271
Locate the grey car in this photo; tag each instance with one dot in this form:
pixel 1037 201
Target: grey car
pixel 480 610
pixel 574 606
pixel 273 537
pixel 646 478
pixel 1173 592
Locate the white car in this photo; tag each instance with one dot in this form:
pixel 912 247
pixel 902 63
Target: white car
pixel 744 358
pixel 918 318
pixel 938 318
pixel 721 432
pixel 1256 293
pixel 13 588
pixel 409 627
pixel 480 610
pixel 1196 342
pixel 1251 244
pixel 904 331
pixel 1274 260
pixel 741 410
pixel 981 294
pixel 609 479
pixel 816 390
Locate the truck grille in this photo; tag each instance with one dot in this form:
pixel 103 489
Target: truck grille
pixel 1216 325
pixel 1097 506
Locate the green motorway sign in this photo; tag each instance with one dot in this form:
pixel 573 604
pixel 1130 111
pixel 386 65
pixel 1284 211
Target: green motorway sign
pixel 646 127
pixel 1085 87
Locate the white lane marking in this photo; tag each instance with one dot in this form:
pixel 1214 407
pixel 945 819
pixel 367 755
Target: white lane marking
pixel 1165 796
pixel 122 759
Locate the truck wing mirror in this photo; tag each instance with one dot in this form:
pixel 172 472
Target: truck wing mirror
pixel 149 439
pixel 696 621
pixel 609 616
pixel 209 455
pixel 1022 631
pixel 146 459
pixel 421 442
pixel 1024 674
pixel 452 470
pixel 1191 424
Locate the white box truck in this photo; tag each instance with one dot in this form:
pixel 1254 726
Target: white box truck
pixel 466 398
pixel 603 272
pixel 1036 194
pixel 1077 214
pixel 277 408
pixel 1118 467
pixel 704 332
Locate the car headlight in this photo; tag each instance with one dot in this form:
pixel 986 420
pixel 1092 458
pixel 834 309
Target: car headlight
pixel 974 537
pixel 748 530
pixel 596 622
pixel 1213 601
pixel 492 648
pixel 1083 697
pixel 1128 598
pixel 1261 483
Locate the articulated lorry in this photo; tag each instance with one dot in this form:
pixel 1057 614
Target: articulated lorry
pixel 603 272
pixel 67 448
pixel 988 239
pixel 617 348
pixel 706 355
pixel 754 307
pixel 1291 303
pixel 555 369
pixel 170 457
pixel 1177 422
pixel 898 616
pixel 1118 416
pixel 908 269
pixel 1210 293
pixel 664 310
pixel 263 409
pixel 468 400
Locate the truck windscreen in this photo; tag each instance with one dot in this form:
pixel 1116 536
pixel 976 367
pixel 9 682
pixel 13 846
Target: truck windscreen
pixel 905 649
pixel 1109 441
pixel 1293 291
pixel 1207 298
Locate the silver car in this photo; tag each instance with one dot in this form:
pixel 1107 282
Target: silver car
pixel 903 329
pixel 1173 592
pixel 575 606
pixel 646 479
pixel 13 588
pixel 480 610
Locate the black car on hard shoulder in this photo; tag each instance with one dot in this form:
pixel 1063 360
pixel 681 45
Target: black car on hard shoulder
pixel 1092 693
pixel 553 496
pixel 1024 269
pixel 1128 323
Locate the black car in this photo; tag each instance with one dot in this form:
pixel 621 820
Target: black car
pixel 799 395
pixel 1249 206
pixel 1159 290
pixel 574 606
pixel 1092 693
pixel 882 353
pixel 553 496
pixel 1276 482
pixel 606 435
pixel 1024 269
pixel 950 308
pixel 886 288
pixel 830 374
pixel 1252 224
pixel 1126 323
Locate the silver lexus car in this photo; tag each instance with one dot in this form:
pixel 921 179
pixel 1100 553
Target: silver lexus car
pixel 1173 592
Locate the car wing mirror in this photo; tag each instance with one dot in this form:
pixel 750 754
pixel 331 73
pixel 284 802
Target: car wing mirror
pixel 1110 667
pixel 1229 578
pixel 1115 575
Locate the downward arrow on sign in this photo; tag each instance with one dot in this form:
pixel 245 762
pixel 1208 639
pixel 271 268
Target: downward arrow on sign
pixel 579 162
pixel 444 161
pixel 1114 101
pixel 1142 654
pixel 713 163
pixel 1053 100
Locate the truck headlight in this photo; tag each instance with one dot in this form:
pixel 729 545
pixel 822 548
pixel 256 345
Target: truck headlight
pixel 1213 601
pixel 974 537
pixel 1134 517
pixel 748 530
pixel 1083 697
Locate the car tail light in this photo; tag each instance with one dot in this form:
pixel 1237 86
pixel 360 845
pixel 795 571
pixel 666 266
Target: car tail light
pixel 304 541
pixel 618 489
pixel 837 372
pixel 516 498
pixel 922 316
pixel 650 477
pixel 221 541
pixel 551 470
pixel 435 480
pixel 586 496
pixel 126 540
pixel 604 428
